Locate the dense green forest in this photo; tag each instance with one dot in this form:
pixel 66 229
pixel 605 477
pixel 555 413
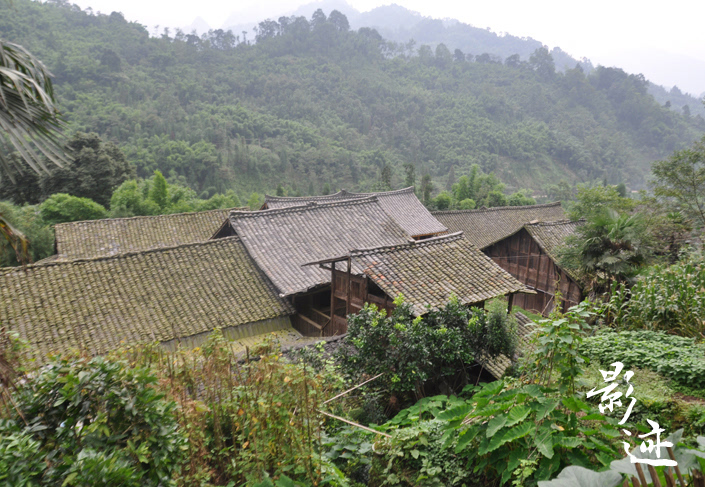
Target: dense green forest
pixel 312 103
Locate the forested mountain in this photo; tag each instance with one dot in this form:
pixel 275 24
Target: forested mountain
pixel 399 24
pixel 312 103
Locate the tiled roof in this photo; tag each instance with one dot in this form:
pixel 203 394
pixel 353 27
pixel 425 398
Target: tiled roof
pixel 102 238
pixel 489 225
pixel 278 202
pixel 155 295
pixel 550 236
pixel 428 272
pixel 281 240
pixel 402 205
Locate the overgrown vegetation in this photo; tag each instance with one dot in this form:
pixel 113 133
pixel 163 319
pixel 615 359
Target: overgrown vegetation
pixel 433 352
pixel 664 298
pixel 90 422
pixel 678 358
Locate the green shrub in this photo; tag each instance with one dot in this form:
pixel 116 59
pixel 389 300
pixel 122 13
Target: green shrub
pixel 247 421
pixel 412 351
pixel 93 422
pixel 62 207
pixel 21 462
pixel 678 358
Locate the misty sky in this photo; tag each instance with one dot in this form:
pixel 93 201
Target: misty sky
pixel 657 39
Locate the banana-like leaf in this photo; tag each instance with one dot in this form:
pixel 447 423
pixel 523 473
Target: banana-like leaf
pixel 583 477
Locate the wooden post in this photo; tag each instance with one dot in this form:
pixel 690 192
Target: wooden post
pixel 347 304
pixel 332 292
pixel 510 303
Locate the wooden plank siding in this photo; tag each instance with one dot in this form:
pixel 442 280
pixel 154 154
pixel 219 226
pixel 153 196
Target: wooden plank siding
pixel 523 258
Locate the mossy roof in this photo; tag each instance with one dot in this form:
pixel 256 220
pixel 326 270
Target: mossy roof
pixel 156 295
pixel 428 272
pixel 402 205
pixel 490 225
pixel 102 238
pixel 281 240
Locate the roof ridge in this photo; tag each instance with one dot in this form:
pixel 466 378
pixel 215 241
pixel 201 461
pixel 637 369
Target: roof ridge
pixel 413 244
pixel 565 221
pixel 143 217
pixel 302 207
pixel 342 192
pixel 7 270
pixel 386 193
pixel 497 208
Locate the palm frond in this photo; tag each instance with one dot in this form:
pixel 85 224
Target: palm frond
pixel 16 239
pixel 29 118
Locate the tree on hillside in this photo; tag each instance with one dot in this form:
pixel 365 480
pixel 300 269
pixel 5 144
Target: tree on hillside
pixel 339 20
pixel 410 175
pixel 158 192
pixel 62 207
pixel 95 170
pixel 426 188
pixel 541 61
pixel 681 179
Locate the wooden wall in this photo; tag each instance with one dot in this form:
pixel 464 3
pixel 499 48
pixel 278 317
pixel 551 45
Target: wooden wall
pixel 522 257
pixel 313 309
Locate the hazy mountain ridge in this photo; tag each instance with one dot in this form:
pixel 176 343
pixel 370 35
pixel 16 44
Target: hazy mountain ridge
pixel 312 104
pixel 399 24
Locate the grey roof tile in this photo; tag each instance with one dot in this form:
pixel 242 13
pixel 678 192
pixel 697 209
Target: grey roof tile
pixel 490 225
pixel 100 303
pixel 112 236
pixel 281 240
pixel 428 272
pixel 402 205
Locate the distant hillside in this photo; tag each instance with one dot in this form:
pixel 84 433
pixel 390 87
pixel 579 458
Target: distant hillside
pixel 399 24
pixel 314 104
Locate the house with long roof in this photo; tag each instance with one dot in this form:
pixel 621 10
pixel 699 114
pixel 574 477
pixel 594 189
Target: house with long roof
pixel 133 280
pixel 531 255
pixel 112 236
pixel 285 241
pixel 426 272
pixel 486 226
pixel 401 205
pixel 170 295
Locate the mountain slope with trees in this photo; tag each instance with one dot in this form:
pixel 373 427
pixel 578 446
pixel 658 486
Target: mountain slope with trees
pixel 312 103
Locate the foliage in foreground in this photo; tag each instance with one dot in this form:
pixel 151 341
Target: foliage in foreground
pixel 691 464
pixel 83 422
pixel 664 298
pixel 245 421
pixel 434 350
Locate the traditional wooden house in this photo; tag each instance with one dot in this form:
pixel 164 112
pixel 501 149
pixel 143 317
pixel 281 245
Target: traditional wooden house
pixel 489 225
pixel 530 255
pixel 427 273
pixel 285 241
pixel 112 236
pixel 167 295
pixel 282 240
pixel 401 205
